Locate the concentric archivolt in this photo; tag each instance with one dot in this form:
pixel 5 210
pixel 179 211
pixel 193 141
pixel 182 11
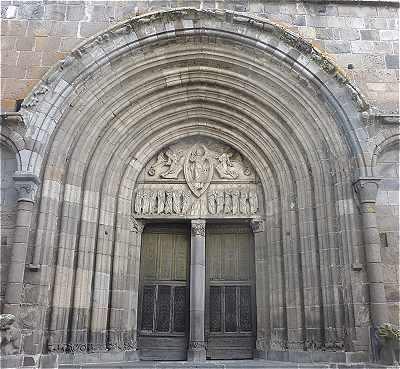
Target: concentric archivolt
pixel 99 117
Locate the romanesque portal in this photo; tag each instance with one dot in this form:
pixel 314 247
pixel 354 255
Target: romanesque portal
pixel 195 184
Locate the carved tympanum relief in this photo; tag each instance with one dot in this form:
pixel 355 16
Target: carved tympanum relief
pixel 197 177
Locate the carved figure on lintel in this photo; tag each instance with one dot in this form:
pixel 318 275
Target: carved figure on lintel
pixel 235 201
pixel 228 202
pixel 225 167
pixel 152 201
pixel 243 202
pixel 211 198
pixel 196 207
pixel 186 202
pixel 138 202
pixel 160 201
pixel 176 197
pixel 175 162
pixel 9 334
pixel 145 203
pixel 220 202
pixel 168 202
pixel 253 201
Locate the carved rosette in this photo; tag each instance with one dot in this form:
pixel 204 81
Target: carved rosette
pixel 198 228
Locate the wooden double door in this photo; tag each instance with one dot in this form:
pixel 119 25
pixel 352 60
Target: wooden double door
pixel 163 324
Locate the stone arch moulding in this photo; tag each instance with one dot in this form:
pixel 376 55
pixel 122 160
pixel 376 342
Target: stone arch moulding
pixel 99 116
pixel 61 83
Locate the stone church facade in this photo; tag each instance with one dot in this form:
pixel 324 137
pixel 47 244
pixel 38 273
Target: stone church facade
pixel 215 181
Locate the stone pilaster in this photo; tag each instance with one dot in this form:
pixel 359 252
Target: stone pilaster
pixel 367 189
pixel 26 185
pixel 258 227
pixel 197 350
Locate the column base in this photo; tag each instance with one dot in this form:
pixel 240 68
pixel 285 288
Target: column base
pixel 197 351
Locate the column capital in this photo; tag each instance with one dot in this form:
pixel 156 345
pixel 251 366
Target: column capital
pixel 367 189
pixel 136 226
pixel 26 185
pixel 257 225
pixel 198 227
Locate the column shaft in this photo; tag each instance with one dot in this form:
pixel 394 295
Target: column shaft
pixel 197 350
pixel 367 189
pixel 26 185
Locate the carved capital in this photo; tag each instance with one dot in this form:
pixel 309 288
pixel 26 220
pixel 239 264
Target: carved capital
pixel 26 185
pixel 257 225
pixel 136 226
pixel 199 227
pixel 367 189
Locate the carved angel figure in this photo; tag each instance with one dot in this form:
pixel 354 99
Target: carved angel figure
pixel 160 162
pixel 175 162
pixel 10 335
pixel 225 167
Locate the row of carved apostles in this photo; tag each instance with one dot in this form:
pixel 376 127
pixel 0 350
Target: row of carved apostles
pixel 229 201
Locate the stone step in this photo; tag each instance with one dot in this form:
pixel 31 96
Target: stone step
pixel 223 364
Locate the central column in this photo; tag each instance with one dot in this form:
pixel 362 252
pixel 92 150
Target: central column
pixel 197 350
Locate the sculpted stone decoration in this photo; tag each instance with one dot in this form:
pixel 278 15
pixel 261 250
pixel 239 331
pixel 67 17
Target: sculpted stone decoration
pixel 198 228
pixel 10 335
pixel 197 177
pixel 26 185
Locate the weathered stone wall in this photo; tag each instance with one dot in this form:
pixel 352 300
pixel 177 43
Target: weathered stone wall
pixel 8 202
pixel 388 223
pixel 363 37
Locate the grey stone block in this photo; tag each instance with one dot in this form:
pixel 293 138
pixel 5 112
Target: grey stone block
pixel 337 47
pixel 392 61
pixel 369 34
pixel 31 10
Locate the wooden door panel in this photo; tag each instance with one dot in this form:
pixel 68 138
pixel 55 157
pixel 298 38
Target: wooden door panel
pixel 230 293
pixel 164 302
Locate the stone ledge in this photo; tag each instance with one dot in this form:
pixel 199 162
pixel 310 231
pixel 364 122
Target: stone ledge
pixel 318 356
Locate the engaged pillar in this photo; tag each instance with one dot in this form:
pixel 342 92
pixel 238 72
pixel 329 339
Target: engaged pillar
pixel 26 185
pixel 367 189
pixel 258 228
pixel 197 350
